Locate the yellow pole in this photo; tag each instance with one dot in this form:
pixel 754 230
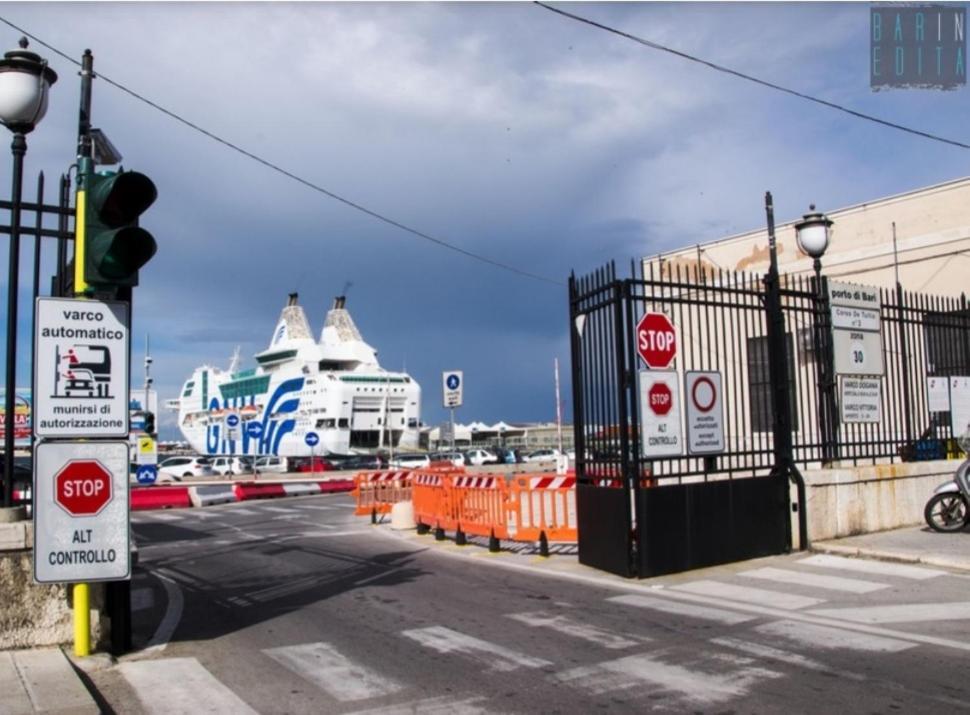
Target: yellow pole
pixel 79 285
pixel 82 620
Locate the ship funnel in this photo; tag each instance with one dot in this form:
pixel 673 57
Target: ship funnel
pixel 339 302
pixel 292 299
pixel 341 341
pixel 292 325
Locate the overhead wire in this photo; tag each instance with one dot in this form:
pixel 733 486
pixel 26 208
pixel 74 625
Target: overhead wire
pixel 289 174
pixel 749 78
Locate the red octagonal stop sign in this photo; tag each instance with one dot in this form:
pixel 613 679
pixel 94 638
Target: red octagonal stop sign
pixel 656 340
pixel 82 487
pixel 660 398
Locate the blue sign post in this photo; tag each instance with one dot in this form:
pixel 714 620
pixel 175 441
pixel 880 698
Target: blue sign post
pixel 312 439
pixel 146 474
pixel 255 430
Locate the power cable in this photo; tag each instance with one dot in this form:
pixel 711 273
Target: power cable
pixel 749 78
pixel 290 175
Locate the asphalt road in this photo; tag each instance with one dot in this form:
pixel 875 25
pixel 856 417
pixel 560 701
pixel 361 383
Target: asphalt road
pixel 297 606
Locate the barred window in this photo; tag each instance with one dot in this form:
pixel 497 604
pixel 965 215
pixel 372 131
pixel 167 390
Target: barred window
pixel 761 404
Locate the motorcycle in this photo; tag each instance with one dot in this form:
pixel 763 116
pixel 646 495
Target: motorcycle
pixel 948 509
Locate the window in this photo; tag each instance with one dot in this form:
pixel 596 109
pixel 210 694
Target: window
pixel 946 342
pixel 760 397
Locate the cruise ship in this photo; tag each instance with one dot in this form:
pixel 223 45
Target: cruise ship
pixel 334 388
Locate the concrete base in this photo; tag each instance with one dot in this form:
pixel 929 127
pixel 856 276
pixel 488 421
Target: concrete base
pixel 11 514
pixel 402 516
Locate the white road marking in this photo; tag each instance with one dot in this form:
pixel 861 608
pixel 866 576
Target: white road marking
pixel 201 513
pixel 770 653
pixel 445 640
pixel 432 706
pixel 800 578
pixel 569 627
pixel 691 610
pixel 281 509
pixel 322 507
pixel 164 516
pixel 242 511
pixel 746 595
pixel 900 613
pixel 833 638
pixel 696 687
pixel 880 568
pixel 180 685
pixel 173 614
pixel 335 674
pixel 142 598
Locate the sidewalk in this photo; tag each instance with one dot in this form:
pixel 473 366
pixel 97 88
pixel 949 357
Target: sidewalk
pixel 915 544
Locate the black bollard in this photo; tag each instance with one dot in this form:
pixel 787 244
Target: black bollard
pixel 423 528
pixel 439 534
pixel 373 515
pixel 493 543
pixel 460 537
pixel 543 544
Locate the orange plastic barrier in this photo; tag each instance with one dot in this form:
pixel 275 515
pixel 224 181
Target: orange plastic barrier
pixel 379 491
pixel 432 500
pixel 479 505
pixel 542 504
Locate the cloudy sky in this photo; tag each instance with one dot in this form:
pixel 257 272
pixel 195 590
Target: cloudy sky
pixel 503 129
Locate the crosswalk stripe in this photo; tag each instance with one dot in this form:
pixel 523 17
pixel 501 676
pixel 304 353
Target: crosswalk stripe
pixel 679 608
pixel 432 706
pixel 800 578
pixel 768 652
pixel 321 507
pixel 880 568
pixel 831 638
pixel 569 627
pixel 900 613
pixel 180 685
pixel 747 595
pixel 697 687
pixel 164 516
pixel 445 640
pixel 324 666
pixel 281 509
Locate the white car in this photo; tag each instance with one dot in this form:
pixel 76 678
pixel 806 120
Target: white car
pixel 273 464
pixel 179 467
pixel 542 455
pixel 228 466
pixel 478 457
pixel 410 461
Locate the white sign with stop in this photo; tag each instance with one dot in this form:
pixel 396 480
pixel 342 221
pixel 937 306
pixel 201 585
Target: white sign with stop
pixel 661 430
pixel 81 529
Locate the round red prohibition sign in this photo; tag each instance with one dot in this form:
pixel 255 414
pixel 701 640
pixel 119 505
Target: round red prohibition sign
pixel 704 394
pixel 660 398
pixel 82 487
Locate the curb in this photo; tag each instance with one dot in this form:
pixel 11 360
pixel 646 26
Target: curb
pixel 146 498
pixel 894 556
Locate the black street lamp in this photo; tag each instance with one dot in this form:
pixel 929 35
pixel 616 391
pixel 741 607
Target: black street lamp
pixel 25 80
pixel 812 235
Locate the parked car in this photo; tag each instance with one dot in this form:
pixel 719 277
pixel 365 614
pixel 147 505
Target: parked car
pixel 542 455
pixel 509 456
pixel 186 467
pixel 366 461
pixel 478 457
pixel 455 458
pixel 410 461
pixel 311 464
pixel 272 463
pixel 228 466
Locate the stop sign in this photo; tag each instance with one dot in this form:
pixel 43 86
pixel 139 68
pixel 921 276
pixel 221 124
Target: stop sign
pixel 82 487
pixel 660 399
pixel 656 340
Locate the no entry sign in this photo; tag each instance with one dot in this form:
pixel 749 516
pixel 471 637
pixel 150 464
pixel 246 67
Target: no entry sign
pixel 81 512
pixel 656 340
pixel 705 414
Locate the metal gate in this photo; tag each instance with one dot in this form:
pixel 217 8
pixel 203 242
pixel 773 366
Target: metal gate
pixel 645 515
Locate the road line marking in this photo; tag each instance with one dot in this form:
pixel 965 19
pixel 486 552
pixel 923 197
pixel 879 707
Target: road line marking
pixel 432 706
pixel 691 610
pixel 880 568
pixel 569 627
pixel 900 613
pixel 335 674
pixel 800 578
pixel 164 516
pixel 697 687
pixel 173 614
pixel 833 638
pixel 499 658
pixel 747 595
pixel 768 652
pixel 180 685
pixel 281 509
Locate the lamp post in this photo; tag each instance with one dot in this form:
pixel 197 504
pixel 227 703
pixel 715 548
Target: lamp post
pixel 812 235
pixel 25 80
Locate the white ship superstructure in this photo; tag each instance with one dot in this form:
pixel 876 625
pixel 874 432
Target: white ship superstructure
pixel 334 387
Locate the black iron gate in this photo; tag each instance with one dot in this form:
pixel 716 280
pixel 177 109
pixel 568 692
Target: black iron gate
pixel 642 515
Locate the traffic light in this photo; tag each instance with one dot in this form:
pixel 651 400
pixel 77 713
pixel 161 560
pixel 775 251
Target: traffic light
pixel 149 423
pixel 113 245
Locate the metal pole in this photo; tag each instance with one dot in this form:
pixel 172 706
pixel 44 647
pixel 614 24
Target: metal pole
pixel 452 429
pixel 18 148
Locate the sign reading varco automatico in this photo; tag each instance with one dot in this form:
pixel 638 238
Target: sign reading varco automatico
pixel 80 369
pixel 81 512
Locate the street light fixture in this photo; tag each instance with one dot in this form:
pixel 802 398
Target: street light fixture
pixel 812 234
pixel 25 80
